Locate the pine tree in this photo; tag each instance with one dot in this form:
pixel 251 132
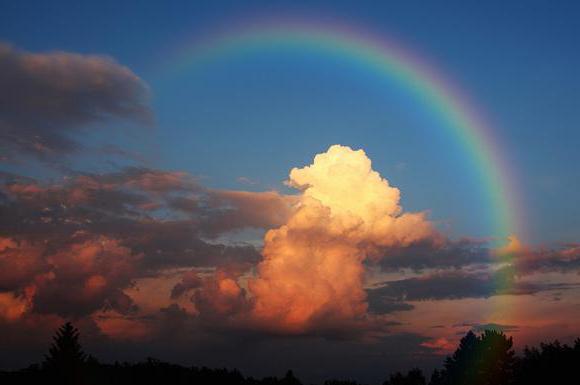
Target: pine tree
pixel 65 358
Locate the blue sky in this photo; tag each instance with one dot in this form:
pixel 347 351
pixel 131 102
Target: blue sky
pixel 271 112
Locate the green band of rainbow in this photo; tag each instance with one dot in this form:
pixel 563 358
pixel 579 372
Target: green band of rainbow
pixel 383 58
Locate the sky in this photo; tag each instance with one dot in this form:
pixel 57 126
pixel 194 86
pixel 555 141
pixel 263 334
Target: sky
pixel 182 191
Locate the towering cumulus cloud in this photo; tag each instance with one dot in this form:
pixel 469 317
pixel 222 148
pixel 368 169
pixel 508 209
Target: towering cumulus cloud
pixel 312 272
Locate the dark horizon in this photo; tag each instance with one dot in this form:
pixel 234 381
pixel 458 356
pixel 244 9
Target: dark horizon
pixel 484 358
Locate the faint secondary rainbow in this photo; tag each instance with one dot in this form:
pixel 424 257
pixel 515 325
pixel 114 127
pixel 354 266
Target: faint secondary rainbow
pixel 384 58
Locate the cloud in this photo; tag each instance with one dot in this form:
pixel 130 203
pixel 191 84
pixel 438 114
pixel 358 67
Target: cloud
pixel 220 296
pixel 444 254
pixel 380 304
pixel 189 280
pixel 81 246
pixel 47 98
pixel 121 328
pixel 309 277
pixel 137 206
pixel 19 261
pixel 493 326
pixel 312 272
pixel 12 307
pixel 528 260
pixel 229 210
pixel 456 284
pixel 76 244
pixel 443 285
pixel 469 252
pixel 86 276
pixel 441 346
pixel 76 279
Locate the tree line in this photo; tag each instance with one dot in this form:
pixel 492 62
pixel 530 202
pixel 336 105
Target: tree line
pixel 480 359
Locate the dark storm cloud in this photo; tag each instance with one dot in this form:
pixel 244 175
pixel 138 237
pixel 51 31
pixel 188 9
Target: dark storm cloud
pixel 449 254
pixel 189 280
pixel 381 304
pixel 47 98
pixel 565 258
pixel 458 284
pixel 468 252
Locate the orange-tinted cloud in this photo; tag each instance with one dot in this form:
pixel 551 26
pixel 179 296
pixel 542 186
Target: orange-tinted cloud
pixel 441 345
pixel 189 280
pixel 220 295
pixel 19 262
pixel 12 307
pixel 76 279
pixel 312 272
pixel 527 259
pixel 123 328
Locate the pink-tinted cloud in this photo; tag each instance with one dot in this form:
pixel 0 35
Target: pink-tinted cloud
pixel 76 279
pixel 19 262
pixel 220 296
pixel 441 346
pixel 189 280
pixel 527 259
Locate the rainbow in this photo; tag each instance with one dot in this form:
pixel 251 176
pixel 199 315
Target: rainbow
pixel 449 103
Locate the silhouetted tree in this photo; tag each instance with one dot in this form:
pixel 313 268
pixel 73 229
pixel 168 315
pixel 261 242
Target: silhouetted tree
pixel 460 368
pixel 551 363
pixel 436 378
pixel 487 359
pixel 497 358
pixel 413 377
pixel 290 379
pixel 340 382
pixel 65 359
